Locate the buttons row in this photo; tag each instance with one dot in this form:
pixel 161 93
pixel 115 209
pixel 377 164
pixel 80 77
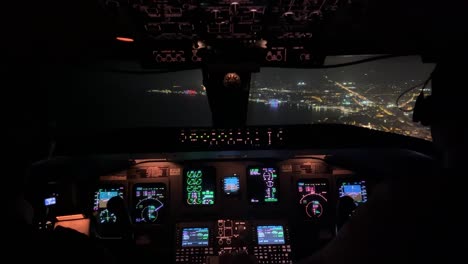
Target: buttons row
pixel 196 260
pixel 195 250
pixel 274 262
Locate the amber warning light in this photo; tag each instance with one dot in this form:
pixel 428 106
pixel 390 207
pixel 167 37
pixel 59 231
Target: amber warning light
pixel 124 39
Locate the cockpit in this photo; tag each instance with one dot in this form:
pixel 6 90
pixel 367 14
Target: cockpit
pixel 225 132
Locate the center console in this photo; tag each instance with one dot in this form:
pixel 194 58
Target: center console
pixel 267 241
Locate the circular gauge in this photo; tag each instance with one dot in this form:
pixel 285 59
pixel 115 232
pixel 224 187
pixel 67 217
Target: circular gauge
pixel 149 214
pixel 107 217
pixel 314 205
pixel 314 209
pixel 231 80
pixel 194 181
pixel 149 209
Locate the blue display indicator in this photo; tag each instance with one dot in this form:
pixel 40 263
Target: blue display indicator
pixel 50 201
pixel 231 185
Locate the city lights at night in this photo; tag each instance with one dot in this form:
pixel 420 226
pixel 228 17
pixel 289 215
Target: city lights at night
pixel 285 96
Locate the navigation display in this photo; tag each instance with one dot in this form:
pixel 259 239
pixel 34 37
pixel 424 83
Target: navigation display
pixel 231 185
pixel 200 186
pixel 262 185
pixel 354 189
pixel 195 237
pixel 313 196
pixel 270 235
pixel 101 197
pixel 149 202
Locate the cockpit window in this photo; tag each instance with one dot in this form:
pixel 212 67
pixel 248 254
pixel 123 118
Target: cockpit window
pixel 362 95
pixel 103 100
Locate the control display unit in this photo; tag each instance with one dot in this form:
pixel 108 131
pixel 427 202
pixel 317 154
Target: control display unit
pixel 354 189
pixel 231 185
pixel 262 185
pixel 195 237
pixel 270 235
pixel 149 201
pixel 313 196
pixel 101 197
pixel 200 186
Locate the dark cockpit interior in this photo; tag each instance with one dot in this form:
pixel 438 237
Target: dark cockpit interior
pixel 248 131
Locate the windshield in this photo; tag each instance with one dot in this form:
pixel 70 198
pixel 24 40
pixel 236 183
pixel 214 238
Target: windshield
pixel 361 95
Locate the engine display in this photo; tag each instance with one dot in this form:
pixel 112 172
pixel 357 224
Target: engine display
pixel 195 237
pixel 354 189
pixel 200 186
pixel 101 197
pixel 270 235
pixel 313 195
pixel 149 202
pixel 231 185
pixel 262 185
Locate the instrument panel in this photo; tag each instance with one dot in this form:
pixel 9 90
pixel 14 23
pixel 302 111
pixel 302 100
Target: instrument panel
pixel 221 207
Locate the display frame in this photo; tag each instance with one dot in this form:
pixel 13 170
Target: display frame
pixel 339 184
pixel 212 172
pixel 194 227
pixel 108 185
pixel 102 229
pixel 328 199
pixel 257 238
pixel 250 187
pixel 223 185
pixel 134 201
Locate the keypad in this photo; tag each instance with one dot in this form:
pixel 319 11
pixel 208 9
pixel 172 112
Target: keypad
pixel 280 254
pixel 193 255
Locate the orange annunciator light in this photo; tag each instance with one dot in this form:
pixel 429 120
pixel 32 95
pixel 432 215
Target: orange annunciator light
pixel 124 39
pixel 70 217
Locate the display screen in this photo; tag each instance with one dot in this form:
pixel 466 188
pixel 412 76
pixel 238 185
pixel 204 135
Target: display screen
pixel 101 197
pixel 312 187
pixel 50 201
pixel 270 235
pixel 200 186
pixel 354 189
pixel 195 237
pixel 262 185
pixel 149 202
pixel 231 185
pixel 313 196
